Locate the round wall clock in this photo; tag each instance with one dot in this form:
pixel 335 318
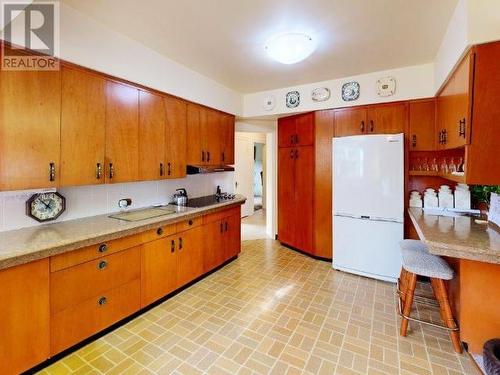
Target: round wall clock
pixel 386 86
pixel 292 99
pixel 45 206
pixel 350 91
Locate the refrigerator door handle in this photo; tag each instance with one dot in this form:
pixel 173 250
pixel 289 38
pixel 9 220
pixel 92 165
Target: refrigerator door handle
pixel 341 214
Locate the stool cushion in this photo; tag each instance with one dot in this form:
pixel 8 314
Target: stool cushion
pixel 415 245
pixel 425 264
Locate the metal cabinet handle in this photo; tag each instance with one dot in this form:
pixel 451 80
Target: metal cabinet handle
pixel 172 246
pixel 221 227
pixel 292 139
pixel 111 170
pixel 445 136
pixel 162 169
pixel 102 301
pixel 52 172
pixel 202 155
pixel 98 171
pixel 414 140
pixel 159 231
pixel 461 128
pixel 296 153
pixel 362 126
pixel 225 227
pixel 102 265
pixel 371 126
pixel 208 155
pixel 180 243
pixel 103 248
pixel 296 139
pixel 169 170
pixel 223 156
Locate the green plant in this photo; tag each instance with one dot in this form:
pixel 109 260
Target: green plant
pixel 481 193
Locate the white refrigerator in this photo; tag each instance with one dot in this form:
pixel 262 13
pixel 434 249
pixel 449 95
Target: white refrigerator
pixel 368 194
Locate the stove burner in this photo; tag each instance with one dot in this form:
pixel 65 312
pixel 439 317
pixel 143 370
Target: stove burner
pixel 209 200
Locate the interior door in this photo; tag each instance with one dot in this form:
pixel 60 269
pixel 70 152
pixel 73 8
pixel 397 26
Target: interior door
pixel 349 121
pixel 30 114
pixel 122 133
pixel 190 248
pixel 386 119
pixel 304 198
pixel 243 173
pixel 175 138
pixel 286 196
pixel 286 131
pixel 194 146
pixel 152 118
pixel 83 120
pixel 159 269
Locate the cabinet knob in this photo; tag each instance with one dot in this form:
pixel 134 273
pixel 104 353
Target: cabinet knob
pixel 159 231
pixel 102 265
pixel 102 301
pixel 103 248
pixel 98 171
pixel 190 222
pixel 52 171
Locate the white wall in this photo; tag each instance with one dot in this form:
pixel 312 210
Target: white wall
pixel 412 82
pixel 92 200
pixel 484 21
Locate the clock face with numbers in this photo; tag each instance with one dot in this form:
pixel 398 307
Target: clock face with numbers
pixel 45 206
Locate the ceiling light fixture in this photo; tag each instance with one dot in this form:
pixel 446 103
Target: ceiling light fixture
pixel 290 48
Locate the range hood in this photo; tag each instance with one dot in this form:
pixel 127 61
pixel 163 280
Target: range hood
pixel 202 169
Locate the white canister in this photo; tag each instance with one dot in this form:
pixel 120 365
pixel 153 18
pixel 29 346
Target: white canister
pixel 462 197
pixel 445 199
pixel 430 200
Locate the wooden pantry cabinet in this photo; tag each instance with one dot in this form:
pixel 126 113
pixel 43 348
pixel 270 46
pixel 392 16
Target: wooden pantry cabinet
pixel 422 123
pixel 304 182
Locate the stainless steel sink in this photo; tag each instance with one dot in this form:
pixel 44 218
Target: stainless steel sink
pixel 143 214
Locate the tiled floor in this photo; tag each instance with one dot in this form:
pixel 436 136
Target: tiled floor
pixel 254 227
pixel 272 311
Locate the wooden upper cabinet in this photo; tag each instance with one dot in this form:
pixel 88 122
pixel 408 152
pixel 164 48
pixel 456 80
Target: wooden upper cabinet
pixel 386 118
pixel 175 137
pixel 30 114
pixel 194 146
pixel 152 119
pixel 227 124
pixel 122 133
pixel 213 137
pixel 286 131
pixel 83 116
pixel 422 125
pixel 24 316
pixel 304 129
pixel 349 121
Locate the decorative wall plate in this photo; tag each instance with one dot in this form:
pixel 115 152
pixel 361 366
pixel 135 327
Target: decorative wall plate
pixel 386 86
pixel 350 91
pixel 269 103
pixel 320 94
pixel 292 99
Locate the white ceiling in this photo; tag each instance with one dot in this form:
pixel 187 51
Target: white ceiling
pixel 223 39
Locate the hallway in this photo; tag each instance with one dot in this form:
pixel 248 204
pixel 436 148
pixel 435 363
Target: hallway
pixel 253 227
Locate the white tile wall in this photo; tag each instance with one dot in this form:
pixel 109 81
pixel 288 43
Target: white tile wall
pixel 82 201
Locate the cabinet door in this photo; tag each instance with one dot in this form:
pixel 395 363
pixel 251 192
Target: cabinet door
pixel 227 124
pixel 423 125
pixel 122 133
pixel 232 234
pixel 190 248
pixel 213 253
pixel 214 136
pixel 30 113
pixel 286 131
pixel 194 136
pixel 159 269
pixel 175 141
pixel 304 125
pixel 24 316
pixel 83 115
pixel 349 121
pixel 386 118
pixel 286 195
pixel 152 120
pixel 304 198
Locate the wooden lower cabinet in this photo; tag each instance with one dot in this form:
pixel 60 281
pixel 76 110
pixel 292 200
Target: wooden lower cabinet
pixel 24 316
pixel 232 240
pixel 190 251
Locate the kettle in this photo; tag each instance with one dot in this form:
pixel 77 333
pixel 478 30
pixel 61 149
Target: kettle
pixel 180 197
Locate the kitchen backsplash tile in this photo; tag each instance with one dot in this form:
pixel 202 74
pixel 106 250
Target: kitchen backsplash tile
pixel 82 201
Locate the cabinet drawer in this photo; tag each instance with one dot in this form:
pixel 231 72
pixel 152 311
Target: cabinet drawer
pixel 157 233
pixel 189 224
pixel 85 254
pixel 72 286
pixel 221 215
pixel 79 322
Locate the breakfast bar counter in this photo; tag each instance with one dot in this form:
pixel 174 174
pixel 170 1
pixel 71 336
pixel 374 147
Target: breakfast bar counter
pixel 472 249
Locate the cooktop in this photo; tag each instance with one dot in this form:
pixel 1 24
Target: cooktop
pixel 209 200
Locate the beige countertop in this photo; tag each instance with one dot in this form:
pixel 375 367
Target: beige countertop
pixel 458 237
pixel 28 244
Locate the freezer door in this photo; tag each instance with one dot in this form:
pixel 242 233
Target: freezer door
pixel 368 176
pixel 366 247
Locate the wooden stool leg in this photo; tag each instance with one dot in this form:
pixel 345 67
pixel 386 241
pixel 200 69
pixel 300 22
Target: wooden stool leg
pixel 402 285
pixel 410 290
pixel 444 307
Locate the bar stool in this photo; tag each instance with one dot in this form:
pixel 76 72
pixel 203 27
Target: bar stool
pixel 417 261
